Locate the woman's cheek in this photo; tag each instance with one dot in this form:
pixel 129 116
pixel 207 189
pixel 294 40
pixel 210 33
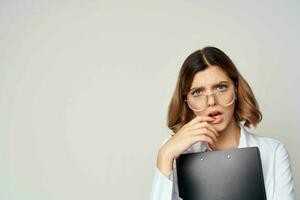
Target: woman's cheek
pixel 199 113
pixel 230 112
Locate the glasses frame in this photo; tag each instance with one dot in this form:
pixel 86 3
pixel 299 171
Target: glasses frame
pixel 214 94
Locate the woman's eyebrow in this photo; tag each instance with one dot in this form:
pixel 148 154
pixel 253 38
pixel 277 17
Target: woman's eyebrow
pixel 201 87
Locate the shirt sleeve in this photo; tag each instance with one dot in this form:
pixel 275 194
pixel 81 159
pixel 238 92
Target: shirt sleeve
pixel 284 188
pixel 163 187
pixel 170 177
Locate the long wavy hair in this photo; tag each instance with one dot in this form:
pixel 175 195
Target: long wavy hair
pixel 246 107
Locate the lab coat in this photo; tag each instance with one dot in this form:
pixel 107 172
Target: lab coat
pixel 276 164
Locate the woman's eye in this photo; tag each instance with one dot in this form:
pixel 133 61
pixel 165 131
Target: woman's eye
pixel 221 87
pixel 196 92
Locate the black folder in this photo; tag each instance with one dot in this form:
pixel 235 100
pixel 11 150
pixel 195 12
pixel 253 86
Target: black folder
pixel 235 174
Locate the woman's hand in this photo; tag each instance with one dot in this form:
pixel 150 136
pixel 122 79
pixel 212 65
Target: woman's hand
pixel 198 129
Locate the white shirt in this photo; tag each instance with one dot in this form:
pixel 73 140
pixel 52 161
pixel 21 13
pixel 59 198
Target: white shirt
pixel 276 164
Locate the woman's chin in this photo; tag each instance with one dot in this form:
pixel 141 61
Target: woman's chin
pixel 220 126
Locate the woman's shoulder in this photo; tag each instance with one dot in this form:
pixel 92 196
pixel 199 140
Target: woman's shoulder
pixel 265 143
pixel 263 139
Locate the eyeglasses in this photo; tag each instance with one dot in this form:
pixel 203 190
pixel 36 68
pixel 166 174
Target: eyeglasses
pixel 225 97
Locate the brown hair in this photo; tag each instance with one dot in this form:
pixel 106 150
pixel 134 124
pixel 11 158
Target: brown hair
pixel 246 107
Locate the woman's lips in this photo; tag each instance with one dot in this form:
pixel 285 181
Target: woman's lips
pixel 218 119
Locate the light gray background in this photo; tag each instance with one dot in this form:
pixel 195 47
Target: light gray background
pixel 85 85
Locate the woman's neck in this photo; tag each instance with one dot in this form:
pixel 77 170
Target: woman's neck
pixel 229 138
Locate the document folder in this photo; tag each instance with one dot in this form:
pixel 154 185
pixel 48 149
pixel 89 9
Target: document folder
pixel 221 175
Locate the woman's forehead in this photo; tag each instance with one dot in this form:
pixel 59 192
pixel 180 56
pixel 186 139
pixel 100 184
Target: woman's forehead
pixel 210 76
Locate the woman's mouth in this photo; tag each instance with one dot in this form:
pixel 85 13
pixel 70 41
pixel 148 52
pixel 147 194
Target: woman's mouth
pixel 218 118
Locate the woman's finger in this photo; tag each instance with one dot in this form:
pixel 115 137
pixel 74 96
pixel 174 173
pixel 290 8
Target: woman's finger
pixel 205 131
pixel 206 138
pixel 207 125
pixel 212 129
pixel 200 119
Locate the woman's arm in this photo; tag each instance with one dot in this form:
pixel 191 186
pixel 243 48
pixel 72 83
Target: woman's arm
pixel 196 130
pixel 284 188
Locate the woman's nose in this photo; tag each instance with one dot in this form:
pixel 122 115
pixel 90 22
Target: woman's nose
pixel 211 100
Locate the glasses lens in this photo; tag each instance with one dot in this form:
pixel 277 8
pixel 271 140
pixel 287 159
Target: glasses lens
pixel 197 103
pixel 225 98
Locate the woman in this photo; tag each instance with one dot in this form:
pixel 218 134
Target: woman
pixel 210 102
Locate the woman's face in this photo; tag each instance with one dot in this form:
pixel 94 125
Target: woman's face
pixel 208 81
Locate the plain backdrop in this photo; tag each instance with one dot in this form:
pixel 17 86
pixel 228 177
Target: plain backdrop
pixel 85 86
